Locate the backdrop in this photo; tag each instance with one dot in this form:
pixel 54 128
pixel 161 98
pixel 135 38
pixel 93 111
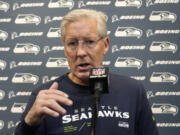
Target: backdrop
pixel 144 45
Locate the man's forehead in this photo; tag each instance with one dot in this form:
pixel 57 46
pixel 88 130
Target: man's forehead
pixel 77 37
pixel 82 27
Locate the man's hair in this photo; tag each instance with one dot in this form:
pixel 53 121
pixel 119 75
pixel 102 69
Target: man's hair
pixel 89 13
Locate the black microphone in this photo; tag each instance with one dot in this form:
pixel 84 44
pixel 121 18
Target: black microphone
pixel 98 84
pixel 99 80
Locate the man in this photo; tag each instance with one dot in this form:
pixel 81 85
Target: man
pixel 64 106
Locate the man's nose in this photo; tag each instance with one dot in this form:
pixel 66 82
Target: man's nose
pixel 81 50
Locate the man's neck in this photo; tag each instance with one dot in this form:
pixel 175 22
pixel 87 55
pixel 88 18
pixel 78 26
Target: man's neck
pixel 84 82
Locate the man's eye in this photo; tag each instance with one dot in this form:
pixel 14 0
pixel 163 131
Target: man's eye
pixel 72 43
pixel 90 42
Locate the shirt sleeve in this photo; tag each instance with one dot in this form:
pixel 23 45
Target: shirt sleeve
pixel 145 123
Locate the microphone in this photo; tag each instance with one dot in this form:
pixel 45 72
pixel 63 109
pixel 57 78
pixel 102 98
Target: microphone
pixel 98 84
pixel 99 80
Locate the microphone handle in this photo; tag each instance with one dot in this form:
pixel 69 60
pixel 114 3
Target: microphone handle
pixel 95 110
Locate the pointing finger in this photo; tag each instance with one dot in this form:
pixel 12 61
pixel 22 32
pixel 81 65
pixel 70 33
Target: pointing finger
pixel 54 86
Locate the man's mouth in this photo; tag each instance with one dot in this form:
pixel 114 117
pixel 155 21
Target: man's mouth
pixel 84 66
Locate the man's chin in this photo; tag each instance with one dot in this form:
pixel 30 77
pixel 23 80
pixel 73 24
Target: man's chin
pixel 84 76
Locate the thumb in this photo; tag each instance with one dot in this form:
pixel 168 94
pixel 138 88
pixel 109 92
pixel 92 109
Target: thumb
pixel 54 86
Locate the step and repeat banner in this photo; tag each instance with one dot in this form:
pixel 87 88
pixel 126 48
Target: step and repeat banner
pixel 145 39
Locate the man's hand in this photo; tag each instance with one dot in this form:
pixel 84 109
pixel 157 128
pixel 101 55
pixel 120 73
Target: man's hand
pixel 48 102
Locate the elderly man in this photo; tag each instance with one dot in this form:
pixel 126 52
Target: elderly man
pixel 64 106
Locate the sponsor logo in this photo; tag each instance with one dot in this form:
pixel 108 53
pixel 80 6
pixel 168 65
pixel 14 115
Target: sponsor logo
pixel 4 6
pixel 57 62
pixel 127 47
pixel 27 5
pixel 46 79
pixel 128 3
pixel 2 94
pixel 150 32
pixel 99 71
pixel 162 16
pixel 18 107
pixel 128 62
pixel 48 19
pixel 25 78
pixel 128 32
pixel 164 109
pixel 106 63
pixel 168 124
pixel 162 62
pixel 12 124
pixel 115 18
pixel 53 48
pixel 1 124
pixel 26 48
pixel 81 3
pixel 163 46
pixel 3 78
pixel 13 64
pixel 141 78
pixel 27 19
pixel 5 20
pixel 26 34
pixel 12 94
pixel 61 4
pixel 153 2
pixel 54 33
pixel 4 49
pixel 2 64
pixel 3 35
pixel 123 124
pixel 163 77
pixel 150 94
pixel 3 108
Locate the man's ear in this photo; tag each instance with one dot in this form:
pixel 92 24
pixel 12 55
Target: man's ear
pixel 106 44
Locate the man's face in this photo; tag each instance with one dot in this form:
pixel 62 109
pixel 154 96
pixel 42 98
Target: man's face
pixel 81 58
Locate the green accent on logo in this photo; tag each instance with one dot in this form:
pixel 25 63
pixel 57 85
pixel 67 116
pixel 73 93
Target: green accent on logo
pixel 153 118
pixel 82 126
pixel 70 129
pixel 89 124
